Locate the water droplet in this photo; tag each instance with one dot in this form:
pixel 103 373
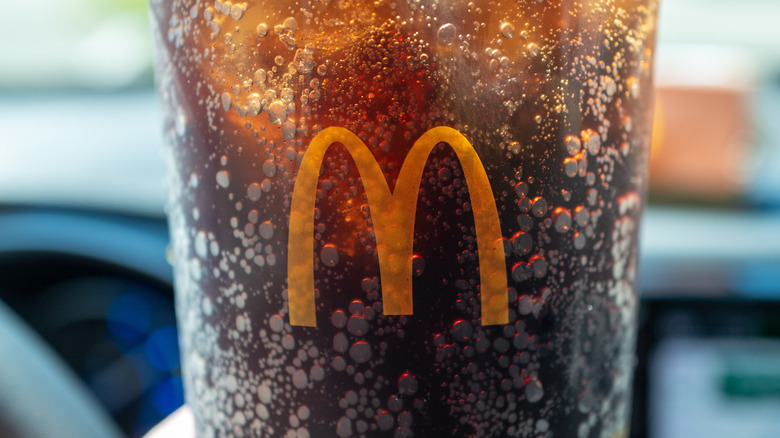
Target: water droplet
pixel 304 412
pixel 507 30
pixel 223 178
pixel 338 319
pixel 447 34
pixel 329 255
pixel 360 352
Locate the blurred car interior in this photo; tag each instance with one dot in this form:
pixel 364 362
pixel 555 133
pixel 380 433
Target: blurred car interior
pixel 89 344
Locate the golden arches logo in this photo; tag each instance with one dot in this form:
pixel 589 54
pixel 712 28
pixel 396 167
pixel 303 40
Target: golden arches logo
pixel 393 215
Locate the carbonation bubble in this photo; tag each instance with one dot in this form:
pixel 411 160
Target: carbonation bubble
pixel 385 421
pixel 264 393
pixel 507 30
pixel 277 112
pixel 338 363
pixel 534 391
pixel 357 325
pixel 539 208
pixel 290 23
pixel 260 76
pixel 237 11
pixel 262 30
pixel 344 427
pixel 521 189
pixel 570 167
pixel 360 352
pixel 407 384
pixel 329 255
pixel 317 374
pixel 201 243
pixel 395 403
pixel 533 49
pixel 338 319
pixel 418 265
pixel 266 230
pixel 304 412
pixel 226 103
pixel 521 272
pixel 223 178
pixel 562 219
pixel 447 34
pixel 581 216
pixel 269 168
pixel 522 243
pixel 525 222
pixel 573 145
pixel 303 61
pixel 591 140
pixel 288 129
pixel 340 342
pixel 276 322
pixel 462 331
pixel 253 105
pixel 300 379
pixel 539 265
pixel 579 240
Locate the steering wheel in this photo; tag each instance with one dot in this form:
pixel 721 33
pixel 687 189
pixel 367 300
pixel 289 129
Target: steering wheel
pixel 39 395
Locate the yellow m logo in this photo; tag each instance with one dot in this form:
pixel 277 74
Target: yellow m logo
pixel 393 214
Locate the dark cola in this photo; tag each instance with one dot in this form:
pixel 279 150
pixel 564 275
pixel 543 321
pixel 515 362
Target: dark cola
pixel 406 218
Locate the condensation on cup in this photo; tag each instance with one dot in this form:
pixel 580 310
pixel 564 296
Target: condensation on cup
pixel 406 218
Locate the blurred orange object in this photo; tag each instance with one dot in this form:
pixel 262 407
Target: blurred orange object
pixel 701 145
